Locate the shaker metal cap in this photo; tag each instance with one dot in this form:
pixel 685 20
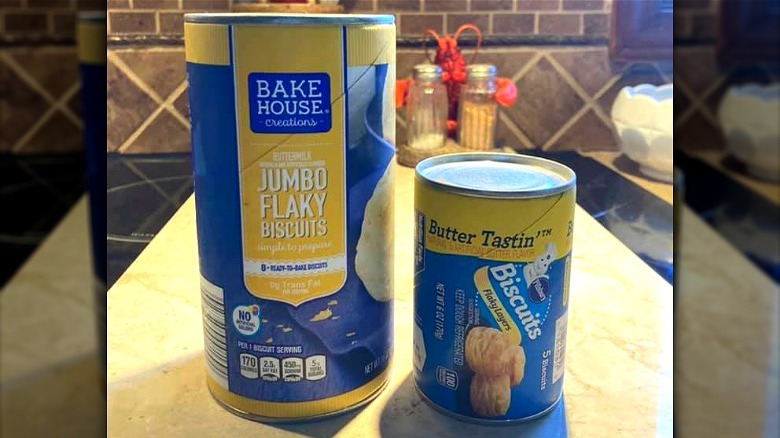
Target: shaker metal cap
pixel 427 72
pixel 481 71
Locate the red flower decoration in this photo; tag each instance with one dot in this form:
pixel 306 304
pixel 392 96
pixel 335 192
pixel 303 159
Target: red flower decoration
pixel 401 91
pixel 506 92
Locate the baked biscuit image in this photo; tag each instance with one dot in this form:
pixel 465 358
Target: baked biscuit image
pixel 485 352
pixel 490 396
pixel 517 369
pixel 375 246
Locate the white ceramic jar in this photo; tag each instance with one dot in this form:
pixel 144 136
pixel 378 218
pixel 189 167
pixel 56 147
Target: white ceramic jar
pixel 644 119
pixel 748 116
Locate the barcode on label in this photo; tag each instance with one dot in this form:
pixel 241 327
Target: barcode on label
pixel 213 300
pixel 560 347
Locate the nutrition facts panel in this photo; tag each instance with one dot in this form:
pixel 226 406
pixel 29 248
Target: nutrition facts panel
pixel 270 369
pixel 292 369
pixel 315 367
pixel 288 369
pixel 249 368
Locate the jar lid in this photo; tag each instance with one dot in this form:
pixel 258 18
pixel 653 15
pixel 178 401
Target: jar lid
pixel 427 72
pixel 481 71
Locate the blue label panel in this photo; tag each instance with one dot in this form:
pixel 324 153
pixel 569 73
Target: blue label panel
pixel 93 97
pixel 289 103
pixel 448 307
pixel 274 351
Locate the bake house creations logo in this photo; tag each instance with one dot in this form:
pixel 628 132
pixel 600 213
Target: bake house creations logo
pixel 289 103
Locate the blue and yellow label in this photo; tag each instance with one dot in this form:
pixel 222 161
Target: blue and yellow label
pixel 293 145
pixel 292 154
pixel 491 297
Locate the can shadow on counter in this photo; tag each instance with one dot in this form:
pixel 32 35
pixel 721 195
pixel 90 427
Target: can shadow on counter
pixel 405 413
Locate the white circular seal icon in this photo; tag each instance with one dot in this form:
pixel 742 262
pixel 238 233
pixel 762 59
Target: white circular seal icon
pixel 246 319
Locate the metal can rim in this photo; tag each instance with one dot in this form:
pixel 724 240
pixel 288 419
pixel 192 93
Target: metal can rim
pixel 568 175
pixel 288 19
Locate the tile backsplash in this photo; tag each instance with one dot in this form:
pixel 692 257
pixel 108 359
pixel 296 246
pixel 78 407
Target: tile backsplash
pixel 39 83
pixel 565 95
pixel 147 107
pixel 493 17
pixel 565 91
pixel 39 100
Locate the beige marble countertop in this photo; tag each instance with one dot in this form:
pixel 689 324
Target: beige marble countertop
pixel 726 339
pixel 619 355
pixel 726 342
pixel 49 371
pixel 726 326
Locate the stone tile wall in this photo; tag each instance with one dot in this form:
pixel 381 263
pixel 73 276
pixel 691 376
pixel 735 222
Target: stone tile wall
pixel 565 91
pixel 39 86
pixel 39 100
pixel 565 96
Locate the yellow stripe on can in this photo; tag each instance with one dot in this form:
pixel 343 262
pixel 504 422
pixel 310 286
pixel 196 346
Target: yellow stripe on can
pixel 206 43
pixel 91 38
pixel 370 45
pixel 296 410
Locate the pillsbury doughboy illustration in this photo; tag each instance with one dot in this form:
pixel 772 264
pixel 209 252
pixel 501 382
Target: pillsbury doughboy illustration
pixel 538 268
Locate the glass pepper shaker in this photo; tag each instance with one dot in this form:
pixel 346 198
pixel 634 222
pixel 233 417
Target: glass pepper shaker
pixel 426 109
pixel 477 110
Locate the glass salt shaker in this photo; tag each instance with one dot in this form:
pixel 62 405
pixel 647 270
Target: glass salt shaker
pixel 426 109
pixel 477 110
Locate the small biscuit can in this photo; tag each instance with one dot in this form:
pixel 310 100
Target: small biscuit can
pixel 292 125
pixel 493 239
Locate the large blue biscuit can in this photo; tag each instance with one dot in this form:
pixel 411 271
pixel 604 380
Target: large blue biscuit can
pixel 293 146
